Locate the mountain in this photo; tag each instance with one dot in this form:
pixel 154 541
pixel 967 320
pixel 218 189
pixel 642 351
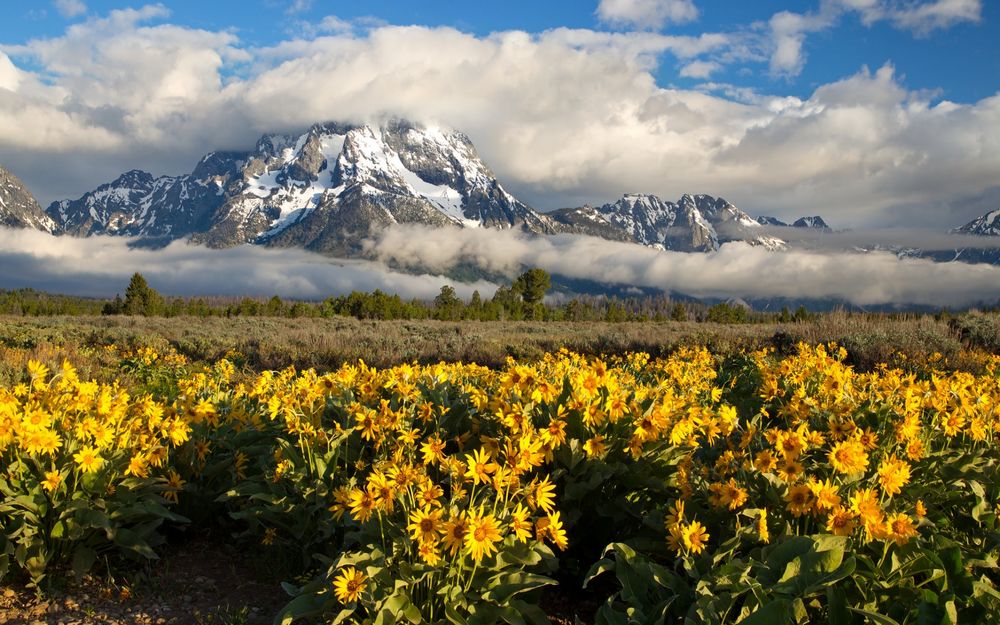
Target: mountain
pixel 987 225
pixel 802 222
pixel 326 190
pixel 811 222
pixel 18 208
pixel 695 223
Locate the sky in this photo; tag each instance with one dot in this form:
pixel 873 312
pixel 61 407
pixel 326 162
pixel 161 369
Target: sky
pixel 871 113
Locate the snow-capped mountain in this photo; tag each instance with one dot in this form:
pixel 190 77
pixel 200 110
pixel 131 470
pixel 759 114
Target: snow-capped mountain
pixel 987 225
pixel 18 208
pixel 138 205
pixel 326 189
pixel 802 222
pixel 695 223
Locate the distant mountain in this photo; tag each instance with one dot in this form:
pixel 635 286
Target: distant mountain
pixel 987 225
pixel 811 222
pixel 695 223
pixel 18 208
pixel 802 222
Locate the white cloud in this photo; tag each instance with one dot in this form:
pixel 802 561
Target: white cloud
pixel 647 14
pixel 70 8
pixel 700 69
pixel 101 266
pixel 298 6
pixel 736 270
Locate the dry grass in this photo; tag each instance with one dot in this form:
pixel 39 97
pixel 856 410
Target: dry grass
pixel 273 343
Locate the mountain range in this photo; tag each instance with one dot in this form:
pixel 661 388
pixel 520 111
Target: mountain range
pixel 332 187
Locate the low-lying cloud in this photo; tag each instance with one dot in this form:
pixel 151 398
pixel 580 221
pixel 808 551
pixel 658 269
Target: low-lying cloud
pixel 101 266
pixel 736 270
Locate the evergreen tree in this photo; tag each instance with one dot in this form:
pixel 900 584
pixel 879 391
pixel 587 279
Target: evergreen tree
pixel 532 285
pixel 140 299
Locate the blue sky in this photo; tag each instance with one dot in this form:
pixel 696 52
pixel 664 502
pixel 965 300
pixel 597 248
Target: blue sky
pixel 872 113
pixel 960 62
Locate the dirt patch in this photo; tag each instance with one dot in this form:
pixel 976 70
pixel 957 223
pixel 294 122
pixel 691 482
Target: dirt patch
pixel 197 583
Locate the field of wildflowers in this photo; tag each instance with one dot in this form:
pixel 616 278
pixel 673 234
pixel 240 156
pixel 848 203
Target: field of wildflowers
pixel 753 488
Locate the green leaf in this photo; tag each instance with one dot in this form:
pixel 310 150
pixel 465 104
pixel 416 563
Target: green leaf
pixel 302 607
pixel 774 613
pixel 874 617
pixel 504 586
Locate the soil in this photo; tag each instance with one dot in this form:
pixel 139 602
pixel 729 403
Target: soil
pixel 196 583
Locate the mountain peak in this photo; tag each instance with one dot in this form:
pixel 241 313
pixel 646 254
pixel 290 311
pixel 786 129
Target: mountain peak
pixel 811 222
pixel 987 225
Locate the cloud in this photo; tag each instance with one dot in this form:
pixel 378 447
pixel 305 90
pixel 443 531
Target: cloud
pixel 736 270
pixel 647 14
pixel 298 6
pixel 101 266
pixel 564 117
pixel 700 69
pixel 70 8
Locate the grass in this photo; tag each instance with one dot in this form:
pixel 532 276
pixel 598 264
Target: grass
pixel 275 343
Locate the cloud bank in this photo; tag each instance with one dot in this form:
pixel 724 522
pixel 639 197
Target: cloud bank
pixel 101 266
pixel 564 117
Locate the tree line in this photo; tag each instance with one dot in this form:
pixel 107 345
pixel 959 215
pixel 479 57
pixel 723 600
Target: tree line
pixel 523 299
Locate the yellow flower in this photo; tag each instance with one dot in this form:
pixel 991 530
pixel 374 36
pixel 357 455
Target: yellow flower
pixel 519 523
pixel 480 466
pixel 542 494
pixel 455 530
pixel 551 527
pixel 762 531
pixel 52 480
pixel 174 485
pixel 893 474
pixel 425 525
pixel 88 459
pixel 429 553
pixel 595 447
pixel 841 521
pixel 695 537
pixel 800 500
pixel 349 585
pixel 901 528
pixel 432 450
pixel 482 535
pixel 825 494
pixel 848 457
pixel 362 505
pixel 919 508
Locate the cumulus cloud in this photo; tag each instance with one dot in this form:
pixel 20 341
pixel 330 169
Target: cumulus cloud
pixel 736 270
pixel 101 266
pixel 563 117
pixel 647 14
pixel 70 8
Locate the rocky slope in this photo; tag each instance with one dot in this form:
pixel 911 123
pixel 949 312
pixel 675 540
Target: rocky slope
pixel 18 208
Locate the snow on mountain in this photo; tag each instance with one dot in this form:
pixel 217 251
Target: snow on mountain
pixel 987 225
pixel 18 208
pixel 695 223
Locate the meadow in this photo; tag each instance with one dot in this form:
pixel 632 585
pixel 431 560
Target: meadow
pixel 843 470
